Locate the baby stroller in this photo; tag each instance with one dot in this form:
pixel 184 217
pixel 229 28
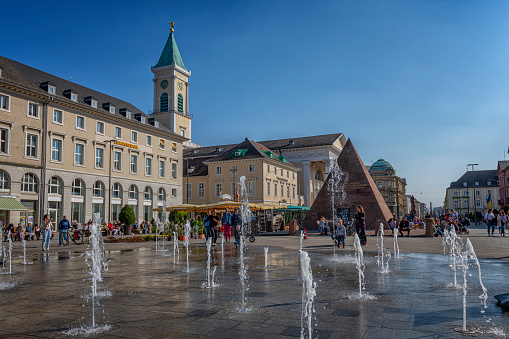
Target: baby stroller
pixel 461 227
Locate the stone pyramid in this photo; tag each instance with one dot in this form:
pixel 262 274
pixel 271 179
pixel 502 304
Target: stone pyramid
pixel 359 188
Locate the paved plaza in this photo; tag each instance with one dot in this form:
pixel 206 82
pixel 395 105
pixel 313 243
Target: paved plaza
pixel 148 295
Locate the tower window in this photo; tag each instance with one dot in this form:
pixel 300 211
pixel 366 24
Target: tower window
pixel 163 102
pixel 180 103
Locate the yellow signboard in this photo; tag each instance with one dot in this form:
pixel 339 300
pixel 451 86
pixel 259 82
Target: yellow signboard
pixel 121 143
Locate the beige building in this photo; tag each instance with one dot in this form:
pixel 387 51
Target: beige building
pixel 392 187
pixel 469 192
pixel 68 149
pixel 212 177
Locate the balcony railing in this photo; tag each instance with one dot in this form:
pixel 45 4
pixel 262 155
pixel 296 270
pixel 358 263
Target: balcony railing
pixel 159 111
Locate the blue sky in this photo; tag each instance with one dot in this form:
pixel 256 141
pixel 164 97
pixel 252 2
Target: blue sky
pixel 422 84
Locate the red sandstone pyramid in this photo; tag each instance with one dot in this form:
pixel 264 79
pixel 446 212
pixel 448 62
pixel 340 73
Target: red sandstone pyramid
pixel 360 190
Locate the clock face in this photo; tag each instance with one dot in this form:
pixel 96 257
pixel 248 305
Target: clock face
pixel 164 84
pixel 180 85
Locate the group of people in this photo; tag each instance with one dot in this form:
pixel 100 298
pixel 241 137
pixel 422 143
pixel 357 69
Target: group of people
pixel 493 220
pixel 228 222
pixel 338 232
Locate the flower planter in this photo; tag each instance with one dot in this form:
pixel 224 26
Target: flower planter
pixel 182 238
pixel 202 236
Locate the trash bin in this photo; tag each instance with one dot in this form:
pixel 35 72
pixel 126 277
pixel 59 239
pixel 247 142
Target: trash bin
pixel 292 227
pixel 429 227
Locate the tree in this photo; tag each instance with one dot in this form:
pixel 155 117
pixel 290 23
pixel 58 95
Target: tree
pixel 127 215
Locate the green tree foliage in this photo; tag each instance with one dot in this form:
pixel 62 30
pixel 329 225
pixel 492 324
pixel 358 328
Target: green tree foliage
pixel 127 215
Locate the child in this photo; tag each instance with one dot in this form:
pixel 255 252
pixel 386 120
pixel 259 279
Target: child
pixel 340 233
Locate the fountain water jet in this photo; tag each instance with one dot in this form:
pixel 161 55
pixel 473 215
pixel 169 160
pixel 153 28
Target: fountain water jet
pixel 187 235
pixel 395 243
pixel 175 247
pixel 359 262
pixel 452 240
pixel 308 296
pixel 25 253
pixel 266 249
pixel 246 220
pixel 382 253
pixel 336 188
pixel 210 273
pixel 10 252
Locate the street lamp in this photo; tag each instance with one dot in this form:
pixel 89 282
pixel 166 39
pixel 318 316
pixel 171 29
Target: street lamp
pixel 109 181
pixel 473 188
pixel 188 170
pixel 233 170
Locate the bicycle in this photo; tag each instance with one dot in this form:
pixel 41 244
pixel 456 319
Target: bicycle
pixel 75 235
pixel 350 229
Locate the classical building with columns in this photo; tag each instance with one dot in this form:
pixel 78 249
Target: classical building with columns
pixel 312 155
pixel 66 149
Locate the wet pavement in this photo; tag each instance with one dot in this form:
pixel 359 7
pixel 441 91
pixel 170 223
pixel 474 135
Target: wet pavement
pixel 147 295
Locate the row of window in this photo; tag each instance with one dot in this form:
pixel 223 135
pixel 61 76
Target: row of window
pixel 252 168
pixel 465 203
pixel 55 186
pixel 381 185
pixel 465 193
pixel 281 188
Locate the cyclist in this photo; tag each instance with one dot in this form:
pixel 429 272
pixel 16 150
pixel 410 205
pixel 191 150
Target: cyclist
pixel 63 226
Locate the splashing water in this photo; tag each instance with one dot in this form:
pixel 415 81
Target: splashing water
pixel 395 243
pixel 10 252
pixel 4 258
pixel 455 245
pixel 175 247
pixel 359 263
pixel 187 236
pixel 246 220
pixel 222 243
pixel 266 249
pixel 308 296
pixel 336 188
pixel 470 253
pixel 24 242
pixel 210 272
pixel 382 253
pixel 96 253
pixel 301 238
pixel 158 231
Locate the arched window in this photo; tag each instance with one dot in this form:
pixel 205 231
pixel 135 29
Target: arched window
pixel 148 193
pixel 55 185
pixel 78 187
pixel 319 175
pixel 5 180
pixel 98 190
pixel 29 183
pixel 180 103
pixel 161 194
pixel 163 102
pixel 133 192
pixel 117 190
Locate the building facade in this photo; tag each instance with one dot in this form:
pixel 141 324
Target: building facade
pixel 69 150
pixel 503 183
pixel 269 178
pixel 470 191
pixel 391 187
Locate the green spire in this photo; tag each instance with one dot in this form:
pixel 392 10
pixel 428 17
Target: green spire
pixel 170 53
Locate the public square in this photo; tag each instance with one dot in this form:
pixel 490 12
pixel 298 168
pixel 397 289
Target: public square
pixel 145 294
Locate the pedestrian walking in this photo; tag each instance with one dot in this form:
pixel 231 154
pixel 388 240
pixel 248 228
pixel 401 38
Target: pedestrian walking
pixel 226 220
pixel 502 219
pixel 490 219
pixel 360 225
pixel 206 224
pixel 213 221
pixel 47 230
pixel 63 226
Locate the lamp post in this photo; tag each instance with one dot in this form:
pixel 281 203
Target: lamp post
pixel 109 180
pixel 188 170
pixel 234 184
pixel 473 188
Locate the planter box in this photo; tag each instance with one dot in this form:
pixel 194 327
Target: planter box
pixel 202 236
pixel 182 238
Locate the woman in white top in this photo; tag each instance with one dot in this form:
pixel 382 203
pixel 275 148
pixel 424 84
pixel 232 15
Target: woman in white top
pixel 47 229
pixel 489 217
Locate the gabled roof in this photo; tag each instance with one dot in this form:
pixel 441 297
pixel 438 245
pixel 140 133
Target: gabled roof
pixel 482 177
pixel 206 151
pixel 170 54
pixel 32 78
pixel 199 168
pixel 311 141
pixel 502 165
pixel 247 149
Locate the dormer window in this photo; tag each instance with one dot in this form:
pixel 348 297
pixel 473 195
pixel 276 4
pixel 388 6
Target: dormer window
pixel 125 112
pixel 91 101
pixel 109 107
pixel 142 120
pixel 49 87
pixel 156 123
pixel 71 94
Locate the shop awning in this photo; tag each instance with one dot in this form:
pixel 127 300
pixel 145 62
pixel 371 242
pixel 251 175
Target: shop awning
pixel 298 208
pixel 11 204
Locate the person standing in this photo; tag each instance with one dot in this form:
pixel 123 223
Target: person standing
pixel 502 219
pixel 226 220
pixel 47 229
pixel 360 225
pixel 63 226
pixel 489 217
pixel 213 220
pixel 340 233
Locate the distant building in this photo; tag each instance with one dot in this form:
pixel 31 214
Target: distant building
pixel 392 187
pixel 420 207
pixel 503 182
pixel 469 192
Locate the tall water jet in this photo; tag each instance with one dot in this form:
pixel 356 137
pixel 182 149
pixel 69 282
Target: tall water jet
pixel 96 253
pixel 336 189
pixel 210 272
pixel 382 253
pixel 4 258
pixel 10 251
pixel 301 238
pixel 308 296
pixel 455 245
pixel 359 262
pixel 395 243
pixel 187 235
pixel 246 221
pixel 470 253
pixel 222 243
pixel 266 249
pixel 24 242
pixel 158 227
pixel 176 254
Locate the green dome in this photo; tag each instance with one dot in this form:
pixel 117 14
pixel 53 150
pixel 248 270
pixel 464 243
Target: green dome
pixel 380 165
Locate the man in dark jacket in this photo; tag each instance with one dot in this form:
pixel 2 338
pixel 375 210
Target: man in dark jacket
pixel 62 230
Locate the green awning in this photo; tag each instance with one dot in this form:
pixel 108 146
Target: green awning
pixel 11 204
pixel 298 208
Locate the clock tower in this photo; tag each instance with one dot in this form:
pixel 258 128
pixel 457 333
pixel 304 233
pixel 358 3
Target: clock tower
pixel 171 89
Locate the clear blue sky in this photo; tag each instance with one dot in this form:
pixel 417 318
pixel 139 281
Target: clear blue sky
pixel 422 84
